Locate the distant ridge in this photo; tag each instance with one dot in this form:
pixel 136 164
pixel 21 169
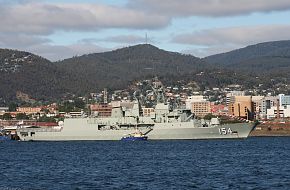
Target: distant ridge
pixel 261 50
pixel 45 80
pixel 127 64
pixel 41 79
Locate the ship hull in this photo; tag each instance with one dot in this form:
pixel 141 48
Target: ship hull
pixel 78 129
pixel 134 138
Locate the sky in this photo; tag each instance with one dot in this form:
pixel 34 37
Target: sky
pixel 59 29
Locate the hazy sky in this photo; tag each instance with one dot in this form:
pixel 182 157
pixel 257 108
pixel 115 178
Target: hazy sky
pixel 64 28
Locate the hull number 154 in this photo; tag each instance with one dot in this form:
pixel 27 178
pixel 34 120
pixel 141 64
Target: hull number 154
pixel 225 131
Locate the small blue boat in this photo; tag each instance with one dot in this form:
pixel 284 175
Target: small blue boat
pixel 136 136
pixel 5 138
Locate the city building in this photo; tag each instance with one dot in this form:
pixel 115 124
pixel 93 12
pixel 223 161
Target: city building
pixel 284 111
pixel 256 100
pixel 241 107
pixel 198 105
pixel 29 110
pixel 201 109
pixel 230 96
pixel 265 104
pixel 101 110
pixel 278 107
pixel 147 112
pixel 284 100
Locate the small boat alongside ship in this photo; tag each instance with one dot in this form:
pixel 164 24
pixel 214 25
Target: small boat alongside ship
pixel 4 138
pixel 137 136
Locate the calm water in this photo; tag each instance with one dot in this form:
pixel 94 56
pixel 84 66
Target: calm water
pixel 254 163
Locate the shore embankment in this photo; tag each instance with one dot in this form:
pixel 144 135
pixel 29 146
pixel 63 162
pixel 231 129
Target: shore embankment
pixel 272 129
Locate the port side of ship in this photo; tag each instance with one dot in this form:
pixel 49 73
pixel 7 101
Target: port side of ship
pixel 163 125
pixel 78 130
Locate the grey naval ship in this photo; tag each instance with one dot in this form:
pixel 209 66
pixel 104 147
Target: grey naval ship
pixel 163 124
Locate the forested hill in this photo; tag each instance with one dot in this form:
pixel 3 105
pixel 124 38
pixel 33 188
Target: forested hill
pixel 41 79
pixel 116 68
pixel 253 53
pixel 25 72
pixel 37 78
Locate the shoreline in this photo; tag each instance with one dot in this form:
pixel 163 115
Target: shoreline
pixel 282 132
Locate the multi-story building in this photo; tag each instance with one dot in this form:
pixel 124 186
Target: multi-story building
pixel 147 112
pixel 284 100
pixel 102 110
pixel 284 111
pixel 230 97
pixel 191 99
pixel 201 108
pixel 199 105
pixel 256 100
pixel 277 107
pixel 265 104
pixel 242 107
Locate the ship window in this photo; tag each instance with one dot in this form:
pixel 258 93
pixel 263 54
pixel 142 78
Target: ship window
pixel 32 133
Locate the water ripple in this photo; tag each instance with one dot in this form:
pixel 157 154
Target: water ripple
pixel 255 163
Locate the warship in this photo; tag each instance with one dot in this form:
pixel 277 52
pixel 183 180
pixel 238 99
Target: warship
pixel 162 124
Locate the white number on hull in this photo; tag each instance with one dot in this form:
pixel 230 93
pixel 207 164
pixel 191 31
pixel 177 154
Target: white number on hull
pixel 225 131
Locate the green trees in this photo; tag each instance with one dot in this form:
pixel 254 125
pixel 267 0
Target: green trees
pixel 21 116
pixel 46 119
pixel 79 104
pixel 12 106
pixel 6 116
pixel 208 116
pixel 69 106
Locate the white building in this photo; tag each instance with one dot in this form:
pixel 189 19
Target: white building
pixel 257 100
pixel 284 111
pixel 192 99
pixel 3 110
pixel 198 105
pixel 284 100
pixel 265 104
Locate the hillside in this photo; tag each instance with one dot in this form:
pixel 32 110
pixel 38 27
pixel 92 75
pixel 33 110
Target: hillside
pixel 269 61
pixel 43 80
pixel 23 72
pixel 28 76
pixel 253 52
pixel 115 69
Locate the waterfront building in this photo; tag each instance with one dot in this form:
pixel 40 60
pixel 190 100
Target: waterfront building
pixel 284 111
pixel 102 110
pixel 256 100
pixel 278 107
pixel 230 96
pixel 241 107
pixel 284 100
pixel 199 105
pixel 265 104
